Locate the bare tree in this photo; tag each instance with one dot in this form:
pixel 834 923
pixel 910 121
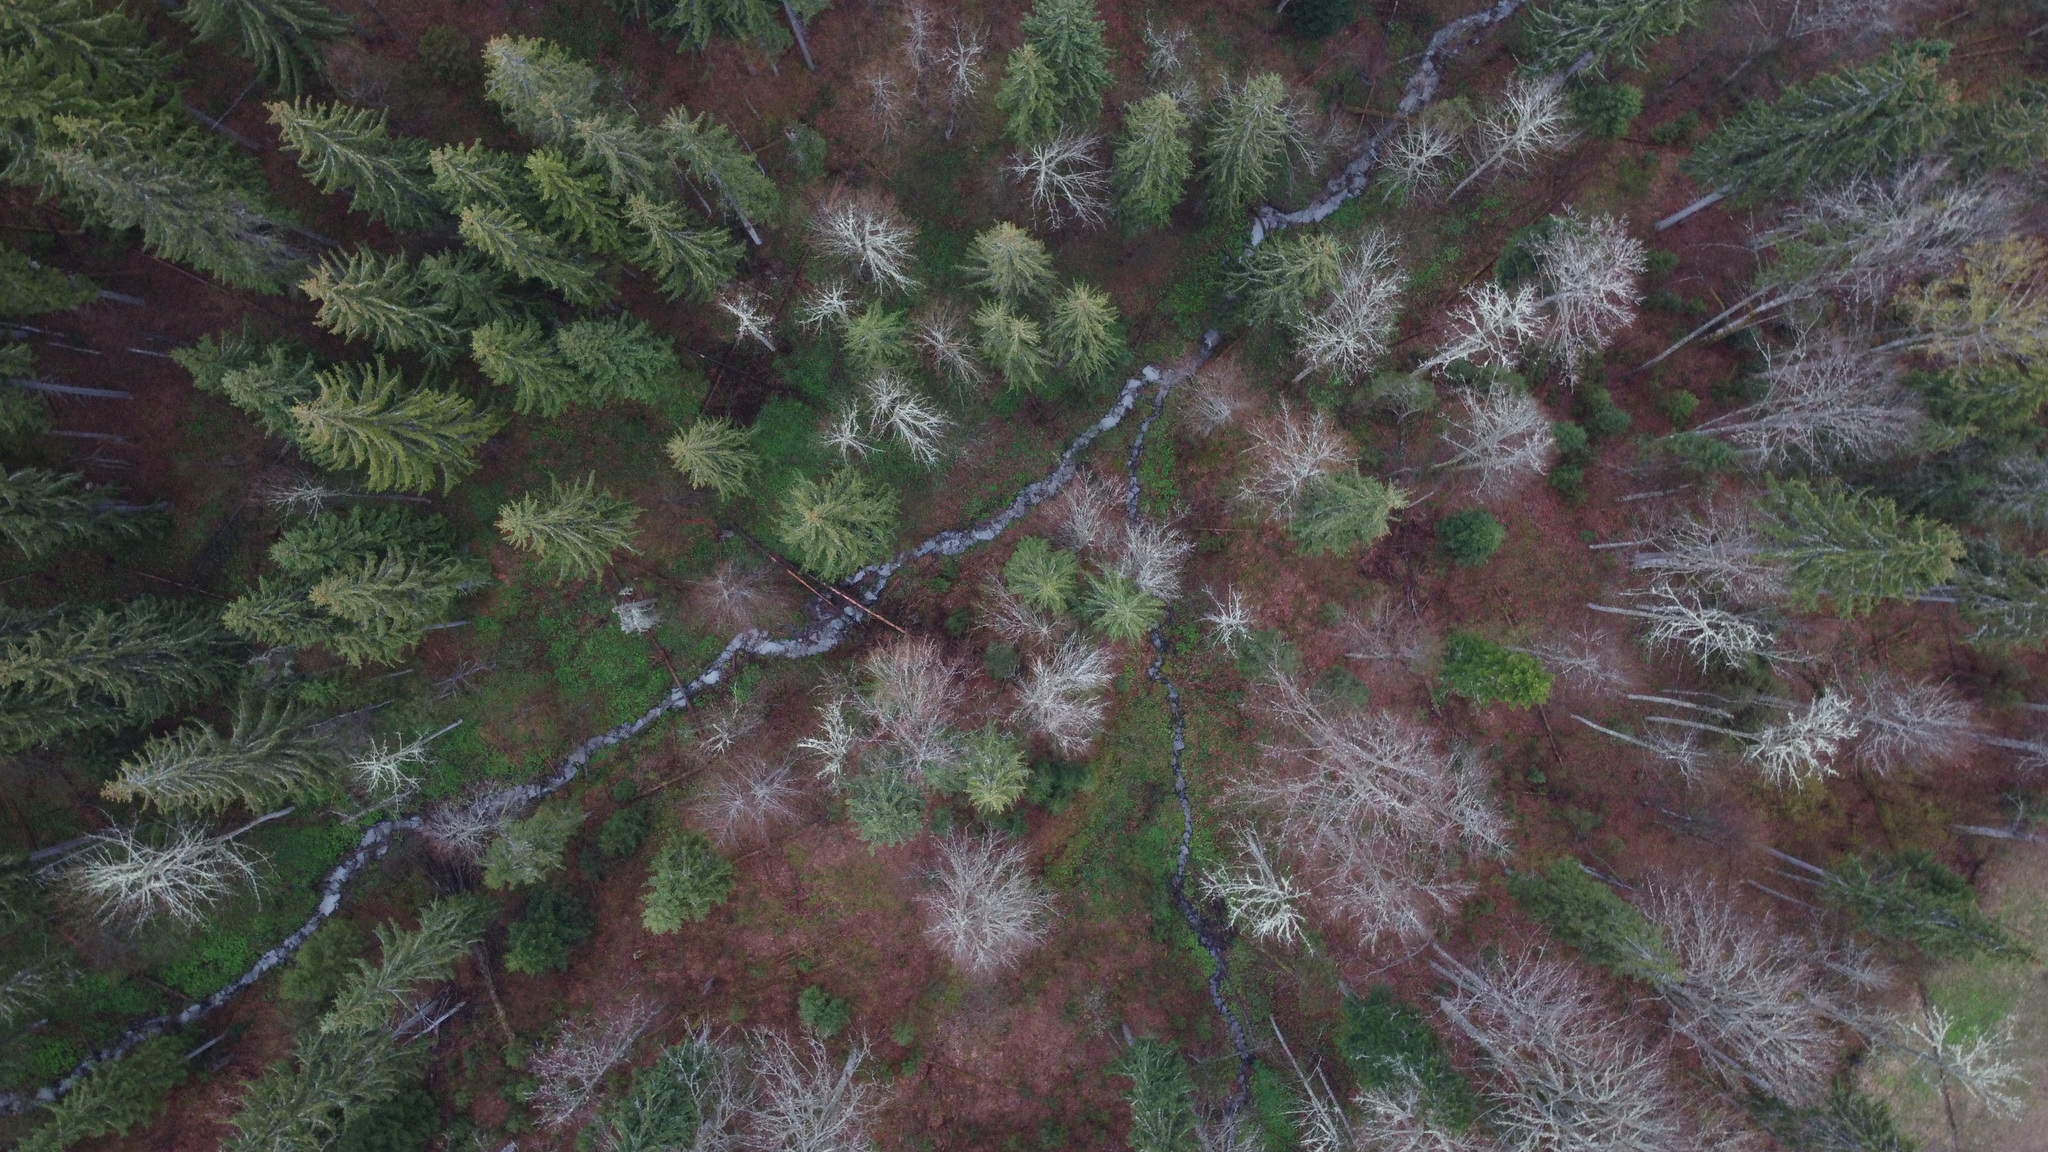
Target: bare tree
pixel 1589 269
pixel 837 737
pixel 806 1101
pixel 1530 120
pixel 749 312
pixel 985 909
pixel 896 409
pixel 572 1067
pixel 1377 813
pixel 2017 491
pixel 1065 179
pixel 912 694
pixel 1402 1118
pixel 1910 725
pixel 726 725
pixel 1489 327
pixel 864 230
pixel 1231 619
pixel 637 617
pixel 1419 160
pixel 1977 1060
pixel 1349 333
pixel 1679 617
pixel 463 828
pixel 1263 901
pixel 1825 400
pixel 1061 695
pixel 888 103
pixel 960 65
pixel 746 804
pixel 827 306
pixel 1503 436
pixel 1217 397
pixel 736 596
pixel 1014 621
pixel 940 331
pixel 1172 55
pixel 28 988
pixel 1719 549
pixel 1150 555
pixel 1800 747
pixel 1569 1073
pixel 390 770
pixel 1085 513
pixel 845 432
pixel 1290 452
pixel 1582 657
pixel 127 881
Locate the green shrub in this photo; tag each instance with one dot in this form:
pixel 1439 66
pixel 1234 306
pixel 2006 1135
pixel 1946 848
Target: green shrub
pixel 1586 914
pixel 1389 1045
pixel 1607 109
pixel 1315 19
pixel 886 806
pixel 1678 406
pixel 1470 537
pixel 1702 453
pixel 686 881
pixel 1603 420
pixel 1486 673
pixel 447 54
pixel 1055 783
pixel 1676 131
pixel 407 1122
pixel 1570 481
pixel 1002 662
pixel 620 835
pixel 323 964
pixel 1571 438
pixel 540 939
pixel 1041 575
pixel 823 1013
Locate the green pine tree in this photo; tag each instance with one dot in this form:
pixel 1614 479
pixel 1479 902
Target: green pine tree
pixel 470 289
pixel 1068 36
pixel 524 252
pixel 1086 333
pixel 265 760
pixel 1563 32
pixel 28 287
pixel 624 153
pixel 2006 132
pixel 321 543
pixel 991 771
pixel 382 299
pixel 835 526
pixel 262 378
pixel 1853 548
pixel 691 262
pixel 1119 609
pixel 1251 128
pixel 1014 345
pixel 79 667
pixel 473 175
pixel 276 612
pixel 1161 1098
pixel 1008 263
pixel 1153 162
pixel 528 850
pixel 1586 914
pixel 1344 511
pixel 281 36
pixel 714 455
pixel 573 530
pixel 2002 595
pixel 1029 96
pixel 539 87
pixel 1914 897
pixel 876 340
pixel 363 419
pixel 697 21
pixel 391 599
pixel 116 1096
pixel 712 157
pixel 685 881
pixel 23 413
pixel 350 149
pixel 1864 120
pixel 622 358
pixel 576 202
pixel 80 35
pixel 1041 575
pixel 521 356
pixel 1288 274
pixel 43 512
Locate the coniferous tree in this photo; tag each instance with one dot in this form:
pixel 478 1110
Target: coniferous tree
pixel 1067 35
pixel 697 21
pixel 539 87
pixel 1161 1098
pixel 2006 132
pixel 362 419
pixel 692 263
pixel 23 413
pixel 2002 595
pixel 115 1097
pixel 687 879
pixel 74 668
pixel 473 175
pixel 1153 162
pixel 576 203
pixel 1601 31
pixel 276 612
pixel 80 34
pixel 1013 344
pixel 1085 333
pixel 350 149
pixel 1854 548
pixel 521 356
pixel 327 540
pixel 1029 96
pixel 390 600
pixel 624 153
pixel 42 511
pixel 875 340
pixel 382 299
pixel 263 761
pixel 1342 511
pixel 281 36
pixel 1251 129
pixel 528 850
pixel 194 202
pixel 1865 120
pixel 714 455
pixel 28 287
pixel 711 155
pixel 263 379
pixel 524 252
pixel 621 358
pixel 835 526
pixel 1913 896
pixel 1009 263
pixel 573 530
pixel 470 289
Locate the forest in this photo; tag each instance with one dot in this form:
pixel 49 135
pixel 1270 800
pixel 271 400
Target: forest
pixel 927 575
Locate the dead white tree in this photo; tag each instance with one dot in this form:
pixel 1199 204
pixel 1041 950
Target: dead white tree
pixel 864 230
pixel 1720 549
pixel 807 1101
pixel 1531 119
pixel 838 734
pixel 985 909
pixel 1825 400
pixel 745 804
pixel 1060 697
pixel 1013 621
pixel 960 66
pixel 572 1067
pixel 1217 397
pixel 1802 746
pixel 827 306
pixel 749 311
pixel 130 882
pixel 1490 327
pixel 1087 512
pixel 1065 179
pixel 1681 618
pixel 1979 1061
pixel 1150 555
pixel 736 596
pixel 2017 491
pixel 1911 725
pixel 637 617
pixel 386 770
pixel 463 828
pixel 897 410
pixel 1402 1118
pixel 1348 334
pixel 912 694
pixel 1583 658
pixel 1230 619
pixel 1569 1073
pixel 1502 435
pixel 1262 900
pixel 1418 161
pixel 1379 816
pixel 1588 269
pixel 940 332
pixel 1388 634
pixel 1287 454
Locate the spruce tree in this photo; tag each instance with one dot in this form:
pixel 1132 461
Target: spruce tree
pixel 265 760
pixel 697 21
pixel 712 157
pixel 1068 37
pixel 43 511
pixel 875 340
pixel 110 667
pixel 1284 277
pixel 470 289
pixel 624 153
pixel 326 541
pixel 28 287
pixel 2002 595
pixel 1008 263
pixel 1854 548
pixel 833 527
pixel 281 36
pixel 622 358
pixel 528 850
pixel 350 149
pixel 79 34
pixel 263 379
pixel 521 356
pixel 276 612
pixel 576 202
pixel 1563 32
pixel 1344 511
pixel 1251 128
pixel 539 87
pixel 363 419
pixel 1162 1098
pixel 573 530
pixel 1086 333
pixel 391 599
pixel 1029 96
pixel 531 255
pixel 1013 345
pixel 116 1096
pixel 2005 132
pixel 1914 897
pixel 382 299
pixel 473 175
pixel 691 262
pixel 1865 120
pixel 1153 162
pixel 713 454
pixel 22 413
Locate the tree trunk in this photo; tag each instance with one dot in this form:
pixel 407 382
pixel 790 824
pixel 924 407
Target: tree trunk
pixel 1697 206
pixel 68 389
pixel 796 27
